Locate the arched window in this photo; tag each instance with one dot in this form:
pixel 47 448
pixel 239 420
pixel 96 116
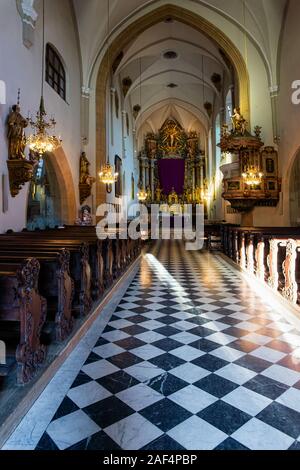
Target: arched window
pixel 55 72
pixel 118 184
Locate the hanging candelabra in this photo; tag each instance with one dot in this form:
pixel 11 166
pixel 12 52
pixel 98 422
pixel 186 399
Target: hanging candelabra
pixel 253 177
pixel 107 173
pixel 142 195
pixel 41 141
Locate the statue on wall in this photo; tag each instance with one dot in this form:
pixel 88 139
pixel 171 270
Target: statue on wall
pixel 85 179
pixel 16 136
pixel 85 218
pixel 84 169
pixel 238 122
pixel 20 170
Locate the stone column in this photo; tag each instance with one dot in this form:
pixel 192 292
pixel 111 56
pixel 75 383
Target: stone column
pixel 85 113
pixel 124 132
pixel 29 17
pixel 143 173
pixel 112 108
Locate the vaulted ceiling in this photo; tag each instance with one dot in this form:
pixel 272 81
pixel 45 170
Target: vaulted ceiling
pixel 171 65
pixel 261 20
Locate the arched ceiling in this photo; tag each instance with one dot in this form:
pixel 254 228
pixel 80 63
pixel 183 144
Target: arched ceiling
pixel 261 20
pixel 183 82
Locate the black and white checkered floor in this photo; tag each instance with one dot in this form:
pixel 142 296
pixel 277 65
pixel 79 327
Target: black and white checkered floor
pixel 192 359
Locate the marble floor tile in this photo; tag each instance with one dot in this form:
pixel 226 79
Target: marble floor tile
pixel 257 435
pixel 193 356
pixel 71 429
pixel 196 433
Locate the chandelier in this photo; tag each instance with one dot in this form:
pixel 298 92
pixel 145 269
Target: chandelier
pixel 253 177
pixel 142 195
pixel 108 175
pixel 41 141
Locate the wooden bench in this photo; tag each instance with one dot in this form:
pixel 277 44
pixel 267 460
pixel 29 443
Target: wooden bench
pixel 22 316
pixel 55 284
pixel 79 263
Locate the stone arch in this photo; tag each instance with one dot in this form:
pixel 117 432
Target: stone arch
pixel 61 181
pixel 134 30
pixel 64 176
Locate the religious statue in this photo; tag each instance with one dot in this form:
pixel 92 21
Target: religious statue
pixel 85 179
pixel 238 122
pixel 16 136
pixel 84 169
pixel 158 193
pixel 170 139
pixel 188 195
pixel 173 197
pixel 85 218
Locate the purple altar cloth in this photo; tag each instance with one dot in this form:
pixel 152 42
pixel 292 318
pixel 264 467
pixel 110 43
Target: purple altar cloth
pixel 171 175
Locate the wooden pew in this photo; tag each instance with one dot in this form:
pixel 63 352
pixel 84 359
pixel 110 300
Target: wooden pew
pixel 79 263
pixel 55 284
pixel 22 316
pixel 78 236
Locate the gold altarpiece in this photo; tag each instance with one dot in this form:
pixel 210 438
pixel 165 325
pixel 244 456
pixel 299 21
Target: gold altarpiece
pixel 173 143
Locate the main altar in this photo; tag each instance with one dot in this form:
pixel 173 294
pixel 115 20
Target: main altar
pixel 172 166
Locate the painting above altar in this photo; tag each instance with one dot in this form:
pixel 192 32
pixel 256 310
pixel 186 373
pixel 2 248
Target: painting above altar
pixel 172 163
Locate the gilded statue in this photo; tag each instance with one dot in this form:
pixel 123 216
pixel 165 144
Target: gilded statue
pixel 238 122
pixel 158 193
pixel 173 197
pixel 188 195
pixel 172 138
pixel 85 177
pixel 16 136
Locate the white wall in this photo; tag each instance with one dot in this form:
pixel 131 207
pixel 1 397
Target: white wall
pixel 122 144
pixel 21 68
pixel 289 113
